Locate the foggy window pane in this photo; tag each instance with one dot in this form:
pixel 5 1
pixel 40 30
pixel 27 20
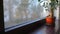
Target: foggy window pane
pixel 21 12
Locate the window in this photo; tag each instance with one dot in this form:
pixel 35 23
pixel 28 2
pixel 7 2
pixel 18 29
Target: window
pixel 21 12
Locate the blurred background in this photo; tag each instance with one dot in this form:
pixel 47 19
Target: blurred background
pixel 24 11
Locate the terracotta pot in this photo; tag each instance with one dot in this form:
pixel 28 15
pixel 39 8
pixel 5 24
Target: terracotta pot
pixel 49 20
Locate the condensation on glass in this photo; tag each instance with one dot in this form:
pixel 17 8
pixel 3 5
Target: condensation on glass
pixel 22 11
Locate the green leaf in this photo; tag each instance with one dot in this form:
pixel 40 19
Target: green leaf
pixel 38 0
pixel 54 3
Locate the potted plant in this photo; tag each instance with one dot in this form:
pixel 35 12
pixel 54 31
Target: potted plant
pixel 53 5
pixel 51 18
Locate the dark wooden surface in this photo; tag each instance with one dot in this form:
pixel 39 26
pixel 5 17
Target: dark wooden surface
pixel 44 30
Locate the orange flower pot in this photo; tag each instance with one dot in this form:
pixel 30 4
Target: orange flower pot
pixel 49 20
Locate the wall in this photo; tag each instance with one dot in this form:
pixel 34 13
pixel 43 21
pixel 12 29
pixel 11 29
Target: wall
pixel 56 14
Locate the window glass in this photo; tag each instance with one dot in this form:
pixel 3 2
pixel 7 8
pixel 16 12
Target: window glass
pixel 22 11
